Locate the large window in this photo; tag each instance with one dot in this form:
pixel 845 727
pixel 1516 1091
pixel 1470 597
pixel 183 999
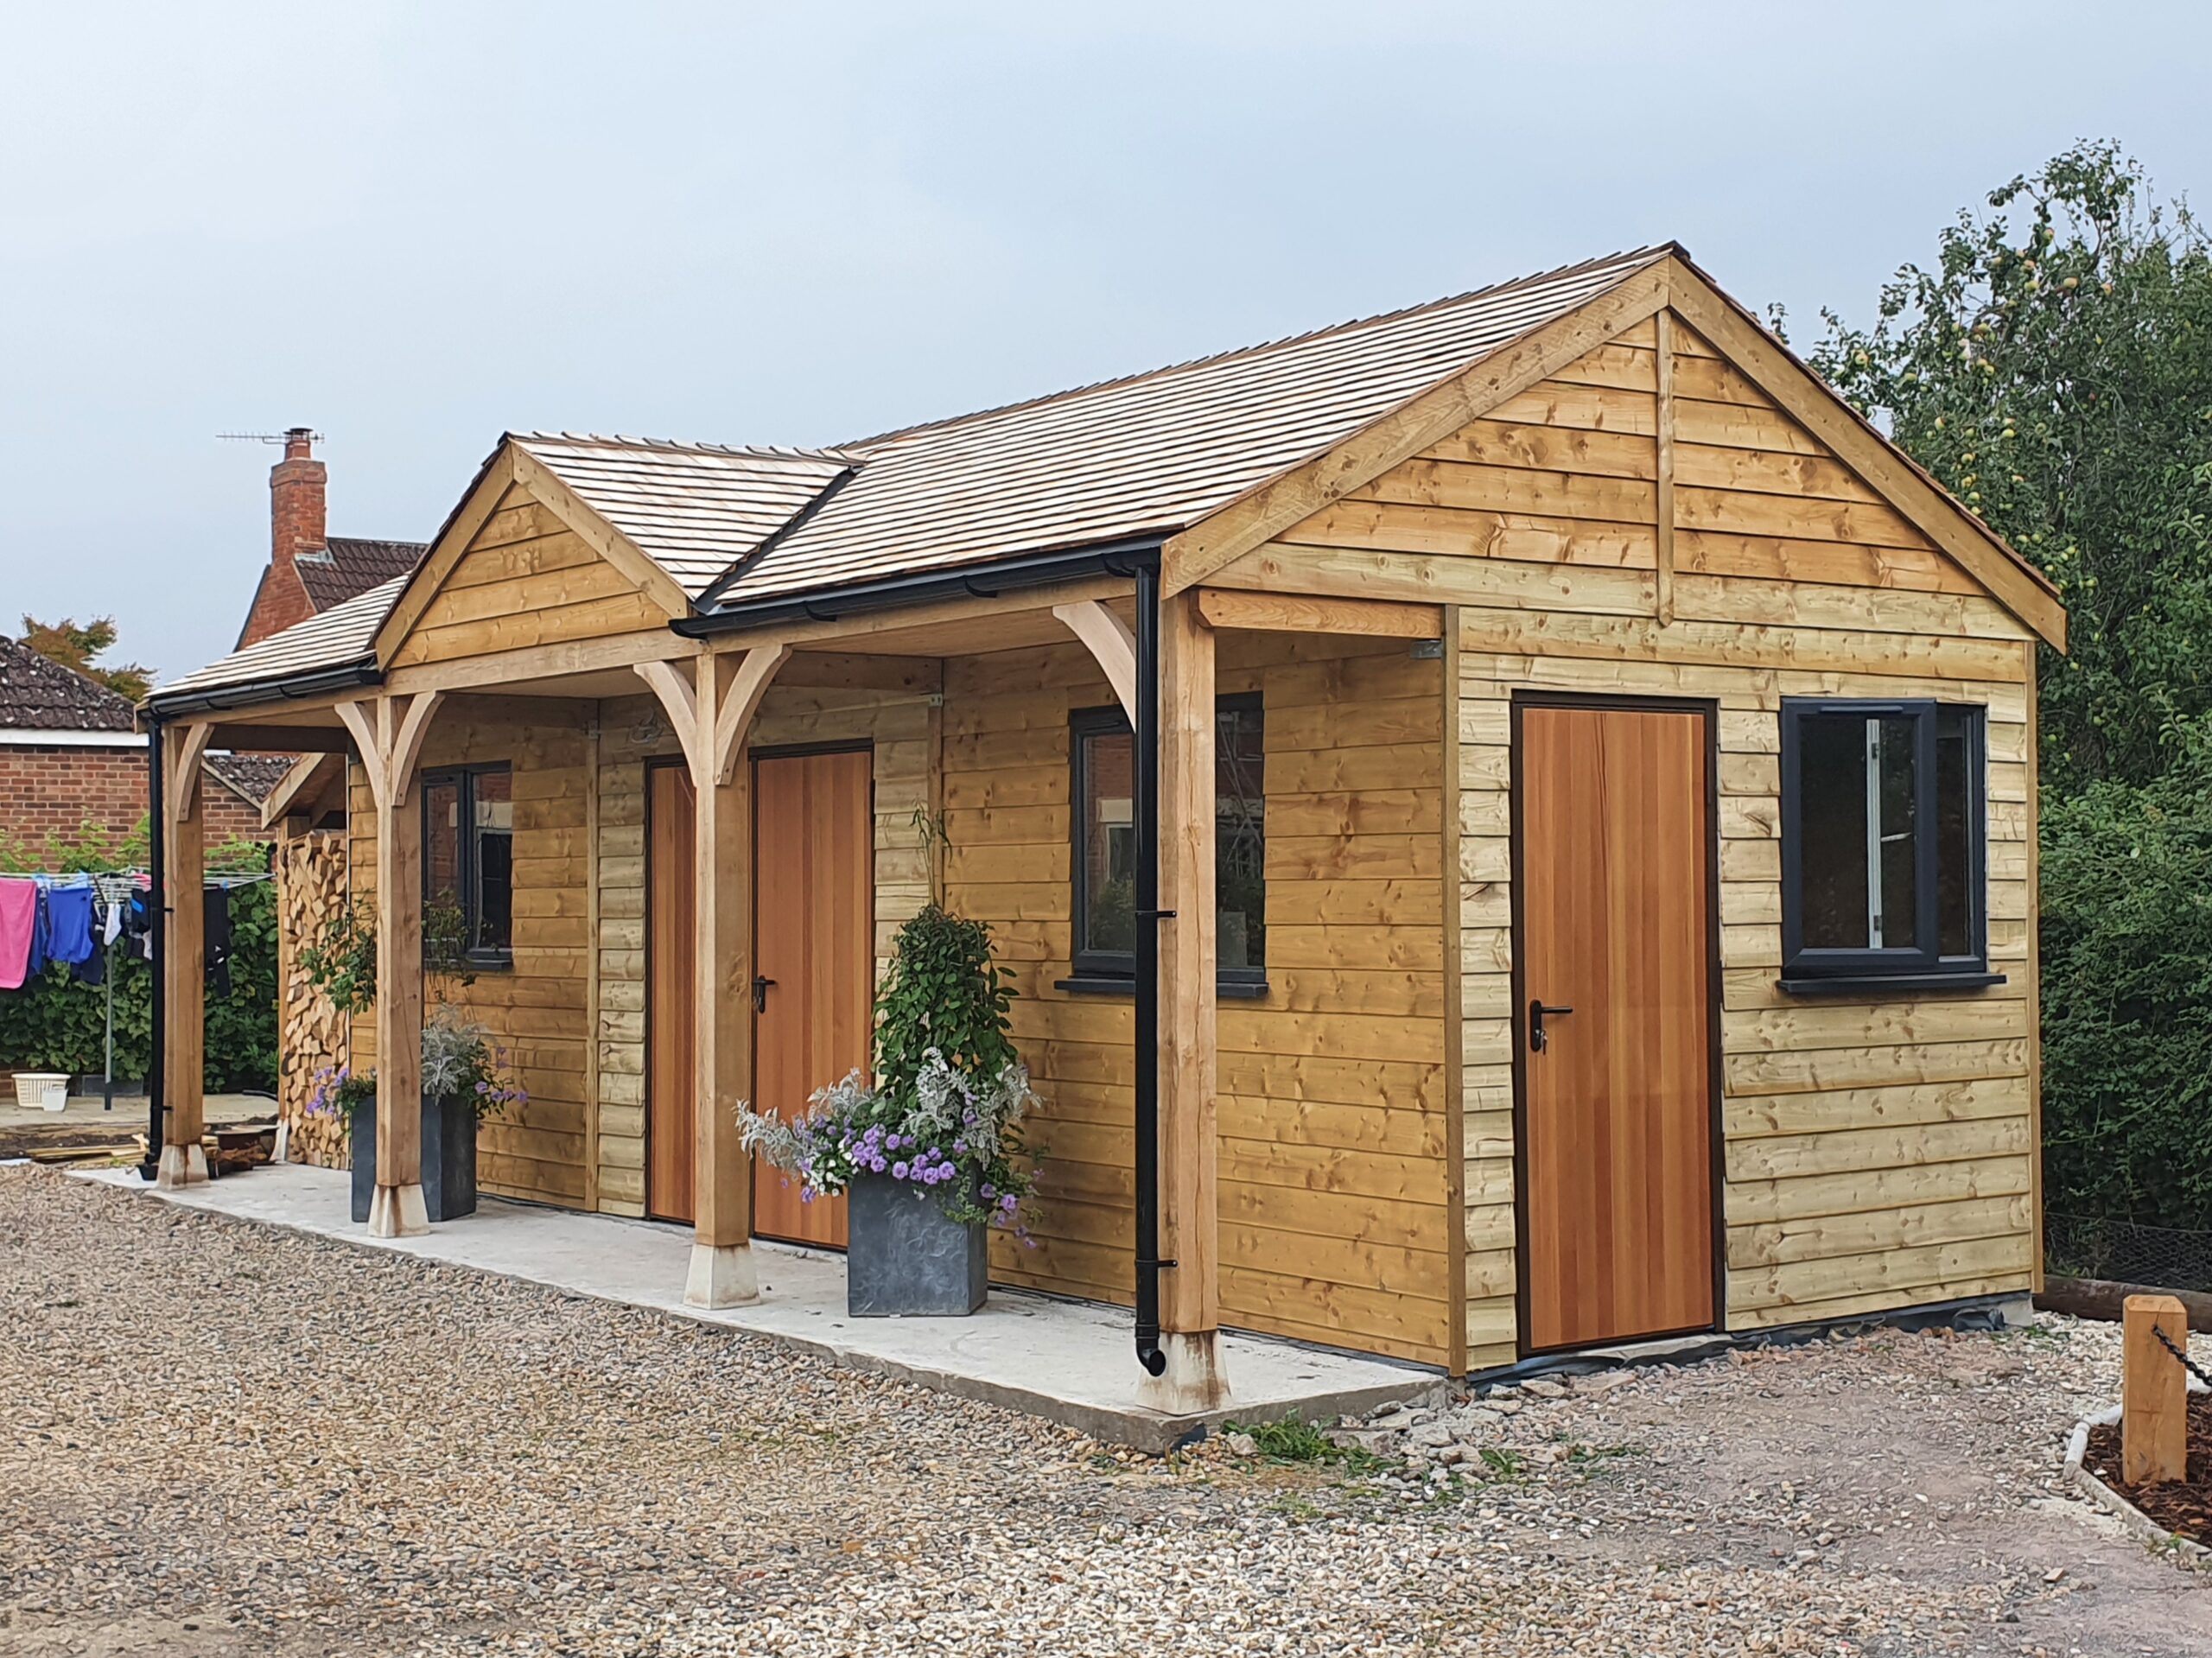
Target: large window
pixel 468 828
pixel 1882 841
pixel 1103 757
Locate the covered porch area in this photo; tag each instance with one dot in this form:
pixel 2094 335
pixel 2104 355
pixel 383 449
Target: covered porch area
pixel 1063 1359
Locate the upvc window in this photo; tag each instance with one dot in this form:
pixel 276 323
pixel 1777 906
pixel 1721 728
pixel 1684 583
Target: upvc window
pixel 1883 842
pixel 468 829
pixel 1103 762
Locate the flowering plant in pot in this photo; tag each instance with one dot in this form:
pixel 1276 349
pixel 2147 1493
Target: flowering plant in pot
pixel 927 1153
pixel 465 1079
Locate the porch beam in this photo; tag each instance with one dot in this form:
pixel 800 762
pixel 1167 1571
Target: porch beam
pixel 1290 613
pixel 1190 1319
pixel 278 739
pixel 1111 643
pixel 184 958
pixel 721 702
pixel 497 668
pixel 390 733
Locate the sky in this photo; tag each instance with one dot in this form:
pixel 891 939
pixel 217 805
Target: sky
pixel 414 227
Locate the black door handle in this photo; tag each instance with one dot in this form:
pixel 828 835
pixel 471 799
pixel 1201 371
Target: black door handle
pixel 1539 1039
pixel 761 993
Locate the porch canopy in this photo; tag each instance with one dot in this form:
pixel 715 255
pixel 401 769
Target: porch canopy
pixel 576 569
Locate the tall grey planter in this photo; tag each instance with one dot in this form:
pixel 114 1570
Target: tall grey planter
pixel 904 1259
pixel 448 1158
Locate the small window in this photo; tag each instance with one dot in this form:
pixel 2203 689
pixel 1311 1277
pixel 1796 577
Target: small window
pixel 1103 756
pixel 468 829
pixel 1883 842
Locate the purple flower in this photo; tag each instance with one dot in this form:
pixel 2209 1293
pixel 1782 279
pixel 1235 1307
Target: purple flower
pixel 891 1142
pixel 1008 1202
pixel 898 1171
pixel 959 1147
pixel 989 1191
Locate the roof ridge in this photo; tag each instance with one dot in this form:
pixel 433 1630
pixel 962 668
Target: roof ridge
pixel 750 451
pixel 1640 257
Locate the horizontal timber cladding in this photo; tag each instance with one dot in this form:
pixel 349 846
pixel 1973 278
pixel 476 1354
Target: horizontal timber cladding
pixel 535 1008
pixel 1878 1152
pixel 1334 1190
pixel 903 727
pixel 525 579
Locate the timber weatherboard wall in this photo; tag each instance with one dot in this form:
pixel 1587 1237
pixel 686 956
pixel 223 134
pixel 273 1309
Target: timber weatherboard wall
pixel 1333 1116
pixel 1878 1150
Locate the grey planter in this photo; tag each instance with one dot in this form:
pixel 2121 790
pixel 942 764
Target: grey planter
pixel 904 1258
pixel 448 1158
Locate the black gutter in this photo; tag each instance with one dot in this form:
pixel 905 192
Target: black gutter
pixel 971 581
pixel 1145 815
pixel 317 682
pixel 156 907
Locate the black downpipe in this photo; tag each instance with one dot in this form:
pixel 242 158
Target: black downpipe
pixel 158 917
pixel 1145 809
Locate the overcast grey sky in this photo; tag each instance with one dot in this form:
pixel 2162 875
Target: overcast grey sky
pixel 413 227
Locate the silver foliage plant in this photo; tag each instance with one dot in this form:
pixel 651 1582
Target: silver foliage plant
pixel 953 1135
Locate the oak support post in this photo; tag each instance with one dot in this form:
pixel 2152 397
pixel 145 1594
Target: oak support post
pixel 390 736
pixel 713 711
pixel 1196 1378
pixel 184 959
pixel 2154 1391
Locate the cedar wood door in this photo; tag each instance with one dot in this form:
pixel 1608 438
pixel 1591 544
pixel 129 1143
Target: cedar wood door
pixel 815 948
pixel 1615 843
pixel 671 1123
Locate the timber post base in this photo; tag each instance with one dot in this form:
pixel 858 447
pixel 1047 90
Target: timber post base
pixel 1195 1378
pixel 398 1212
pixel 180 1165
pixel 722 1276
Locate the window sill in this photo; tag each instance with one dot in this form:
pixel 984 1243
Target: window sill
pixel 1104 985
pixel 1865 984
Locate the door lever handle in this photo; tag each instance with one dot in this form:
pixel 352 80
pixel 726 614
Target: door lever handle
pixel 1539 1039
pixel 760 988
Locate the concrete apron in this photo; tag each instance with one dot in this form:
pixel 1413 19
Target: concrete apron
pixel 1069 1362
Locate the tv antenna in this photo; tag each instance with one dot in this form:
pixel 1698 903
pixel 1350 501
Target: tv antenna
pixel 270 437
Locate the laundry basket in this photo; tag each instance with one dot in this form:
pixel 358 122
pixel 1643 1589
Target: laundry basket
pixel 42 1089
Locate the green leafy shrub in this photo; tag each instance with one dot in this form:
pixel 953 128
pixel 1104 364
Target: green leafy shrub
pixel 943 992
pixel 2127 994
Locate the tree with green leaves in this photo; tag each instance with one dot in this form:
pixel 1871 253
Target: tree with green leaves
pixel 76 646
pixel 2053 368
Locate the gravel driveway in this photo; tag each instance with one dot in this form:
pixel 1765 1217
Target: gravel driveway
pixel 228 1439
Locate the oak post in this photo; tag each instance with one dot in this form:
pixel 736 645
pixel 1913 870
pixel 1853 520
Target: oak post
pixel 2154 1391
pixel 725 693
pixel 184 959
pixel 1190 1318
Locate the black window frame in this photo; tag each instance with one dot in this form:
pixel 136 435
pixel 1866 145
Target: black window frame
pixel 1115 971
pixel 463 778
pixel 1808 970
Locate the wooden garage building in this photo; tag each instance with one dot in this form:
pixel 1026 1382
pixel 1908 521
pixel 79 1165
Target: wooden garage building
pixel 1595 796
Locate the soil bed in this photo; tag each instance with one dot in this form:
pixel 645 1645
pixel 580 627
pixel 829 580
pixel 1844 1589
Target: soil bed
pixel 2181 1505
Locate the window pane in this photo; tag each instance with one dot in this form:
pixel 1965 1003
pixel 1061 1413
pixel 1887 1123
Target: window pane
pixel 1897 911
pixel 492 794
pixel 442 842
pixel 1832 830
pixel 1240 838
pixel 1956 830
pixel 1109 844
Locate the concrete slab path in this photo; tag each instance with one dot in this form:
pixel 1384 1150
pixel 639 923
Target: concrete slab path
pixel 1071 1361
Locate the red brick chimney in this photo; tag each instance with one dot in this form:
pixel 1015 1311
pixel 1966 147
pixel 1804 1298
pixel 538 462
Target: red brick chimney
pixel 297 487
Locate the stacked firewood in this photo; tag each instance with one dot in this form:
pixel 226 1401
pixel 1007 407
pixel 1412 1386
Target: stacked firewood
pixel 311 1035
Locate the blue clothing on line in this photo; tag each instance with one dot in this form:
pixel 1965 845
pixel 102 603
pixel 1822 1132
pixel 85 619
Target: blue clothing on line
pixel 69 922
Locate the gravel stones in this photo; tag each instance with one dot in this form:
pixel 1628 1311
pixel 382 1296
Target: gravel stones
pixel 296 1448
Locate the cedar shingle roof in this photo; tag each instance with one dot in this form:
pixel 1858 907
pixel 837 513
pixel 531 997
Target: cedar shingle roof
pixel 1151 454
pixel 341 637
pixel 346 566
pixel 695 509
pixel 38 693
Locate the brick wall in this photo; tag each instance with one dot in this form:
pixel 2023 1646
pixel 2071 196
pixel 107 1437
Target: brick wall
pixel 54 791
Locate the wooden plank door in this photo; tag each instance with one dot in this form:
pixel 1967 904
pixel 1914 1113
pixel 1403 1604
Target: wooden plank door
pixel 1612 817
pixel 815 949
pixel 671 1017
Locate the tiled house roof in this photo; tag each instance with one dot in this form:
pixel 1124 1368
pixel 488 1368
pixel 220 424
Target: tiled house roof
pixel 37 694
pixel 346 567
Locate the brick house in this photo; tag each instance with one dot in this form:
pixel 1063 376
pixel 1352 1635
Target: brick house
pixel 72 763
pixel 72 767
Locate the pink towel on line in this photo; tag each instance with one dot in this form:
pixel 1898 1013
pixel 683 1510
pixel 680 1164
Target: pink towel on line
pixel 18 916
